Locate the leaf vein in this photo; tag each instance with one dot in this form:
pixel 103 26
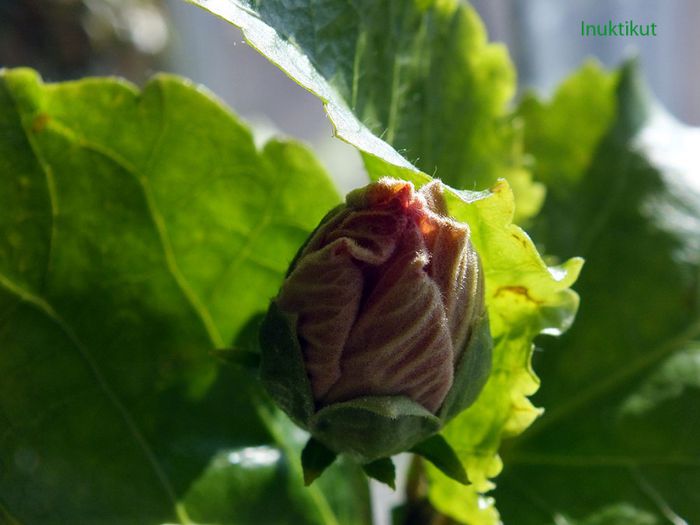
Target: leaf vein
pixel 50 184
pixel 632 368
pixel 44 307
pixel 171 263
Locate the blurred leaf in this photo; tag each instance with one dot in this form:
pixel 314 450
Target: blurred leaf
pixel 561 150
pixel 138 232
pixel 417 73
pixel 621 514
pixel 620 441
pixel 524 298
pixel 344 486
pixel 256 485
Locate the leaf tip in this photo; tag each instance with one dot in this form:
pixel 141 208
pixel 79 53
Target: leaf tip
pixel 382 470
pixel 315 459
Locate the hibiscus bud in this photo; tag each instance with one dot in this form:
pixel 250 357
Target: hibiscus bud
pixel 379 334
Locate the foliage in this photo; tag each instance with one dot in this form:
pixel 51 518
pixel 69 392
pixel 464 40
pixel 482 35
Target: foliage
pixel 142 230
pixel 622 386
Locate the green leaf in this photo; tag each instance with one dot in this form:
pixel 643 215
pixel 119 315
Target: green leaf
pixel 382 470
pixel 439 452
pixel 621 389
pixel 138 232
pixel 315 458
pixel 417 73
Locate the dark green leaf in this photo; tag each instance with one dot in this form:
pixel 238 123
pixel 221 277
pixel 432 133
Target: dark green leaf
pixel 620 440
pixel 248 485
pixel 382 470
pixel 622 514
pixel 315 458
pixel 257 485
pixel 439 452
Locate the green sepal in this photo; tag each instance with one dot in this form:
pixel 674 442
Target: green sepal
pixel 315 458
pixel 472 371
pixel 282 366
pixel 244 351
pixel 439 452
pixel 370 428
pixel 382 470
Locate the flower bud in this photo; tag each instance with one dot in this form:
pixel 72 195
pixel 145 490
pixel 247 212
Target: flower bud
pixel 380 325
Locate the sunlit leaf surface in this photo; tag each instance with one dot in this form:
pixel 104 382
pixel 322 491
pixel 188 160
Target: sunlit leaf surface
pixel 418 74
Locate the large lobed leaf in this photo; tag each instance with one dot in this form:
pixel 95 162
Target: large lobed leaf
pixel 417 73
pixel 139 231
pixel 620 439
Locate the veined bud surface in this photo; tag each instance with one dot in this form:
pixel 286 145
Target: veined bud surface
pixel 383 309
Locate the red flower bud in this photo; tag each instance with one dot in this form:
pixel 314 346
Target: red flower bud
pixel 386 294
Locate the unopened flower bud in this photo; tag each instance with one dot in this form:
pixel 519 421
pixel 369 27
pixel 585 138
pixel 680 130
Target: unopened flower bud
pixel 380 325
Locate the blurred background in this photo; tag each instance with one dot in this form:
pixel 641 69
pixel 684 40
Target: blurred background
pixel 66 39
